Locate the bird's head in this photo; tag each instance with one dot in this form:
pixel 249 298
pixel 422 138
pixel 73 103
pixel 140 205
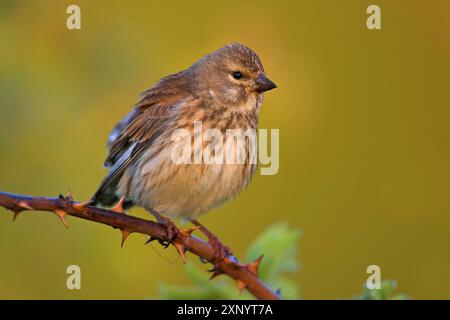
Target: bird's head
pixel 231 75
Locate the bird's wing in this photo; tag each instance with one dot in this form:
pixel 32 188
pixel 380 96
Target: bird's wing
pixel 136 132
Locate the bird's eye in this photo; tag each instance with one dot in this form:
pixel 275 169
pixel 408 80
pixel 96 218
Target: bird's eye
pixel 237 75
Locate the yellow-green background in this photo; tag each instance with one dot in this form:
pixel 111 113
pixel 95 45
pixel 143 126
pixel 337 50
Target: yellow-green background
pixel 364 123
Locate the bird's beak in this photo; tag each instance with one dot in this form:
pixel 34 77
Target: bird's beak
pixel 264 84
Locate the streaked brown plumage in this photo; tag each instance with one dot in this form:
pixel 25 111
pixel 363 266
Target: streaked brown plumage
pixel 139 147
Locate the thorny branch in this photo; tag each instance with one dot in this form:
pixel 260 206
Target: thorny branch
pixel 246 275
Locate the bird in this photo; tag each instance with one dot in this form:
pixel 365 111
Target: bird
pixel 222 90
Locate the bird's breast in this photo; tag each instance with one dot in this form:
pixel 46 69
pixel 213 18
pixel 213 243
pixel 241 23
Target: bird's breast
pixel 190 188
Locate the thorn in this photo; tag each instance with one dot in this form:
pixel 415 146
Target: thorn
pixel 181 248
pixel 216 272
pixel 152 238
pixel 119 206
pixel 69 195
pixel 81 206
pixel 16 214
pixel 187 232
pixel 25 205
pixel 125 234
pixel 254 266
pixel 62 215
pixel 241 285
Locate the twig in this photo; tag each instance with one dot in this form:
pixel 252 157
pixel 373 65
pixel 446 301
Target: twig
pixel 246 275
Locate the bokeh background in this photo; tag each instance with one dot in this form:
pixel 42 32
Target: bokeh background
pixel 364 123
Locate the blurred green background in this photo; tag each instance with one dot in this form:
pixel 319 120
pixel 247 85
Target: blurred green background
pixel 364 123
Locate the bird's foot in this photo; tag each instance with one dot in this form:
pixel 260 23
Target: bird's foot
pixel 169 226
pixel 171 230
pixel 220 250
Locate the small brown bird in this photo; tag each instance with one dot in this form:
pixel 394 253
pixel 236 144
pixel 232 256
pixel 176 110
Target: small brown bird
pixel 223 90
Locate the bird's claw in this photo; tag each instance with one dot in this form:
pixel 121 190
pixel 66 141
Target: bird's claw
pixel 220 250
pixel 171 231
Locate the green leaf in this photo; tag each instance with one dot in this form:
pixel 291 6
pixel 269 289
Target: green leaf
pixel 279 245
pixel 384 293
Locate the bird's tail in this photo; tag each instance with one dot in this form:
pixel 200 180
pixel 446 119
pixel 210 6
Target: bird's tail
pixel 106 196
